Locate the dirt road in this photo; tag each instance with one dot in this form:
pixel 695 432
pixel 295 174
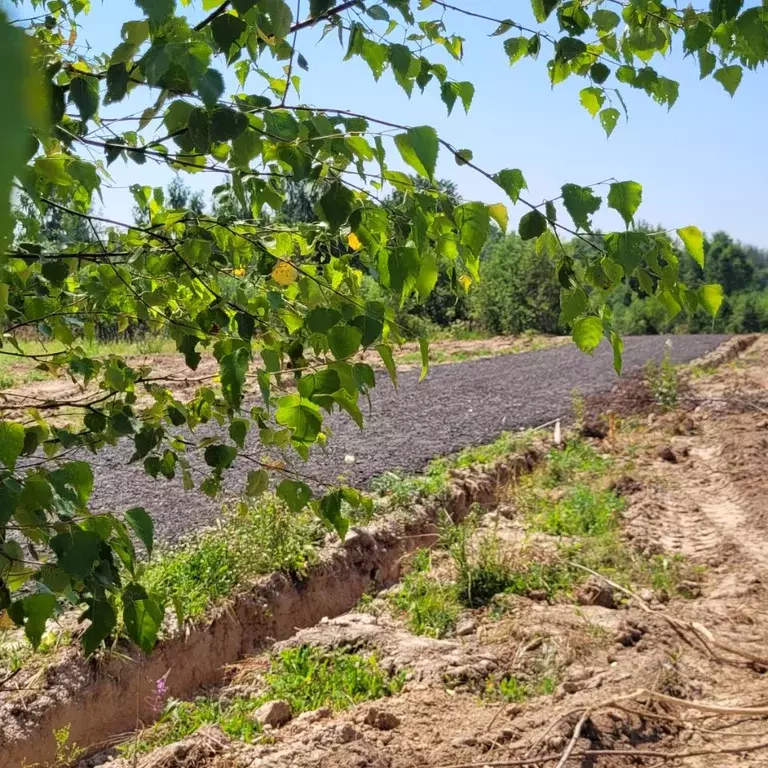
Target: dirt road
pixel 457 405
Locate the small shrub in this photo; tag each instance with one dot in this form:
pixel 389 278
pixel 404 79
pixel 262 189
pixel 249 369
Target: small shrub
pixel 662 380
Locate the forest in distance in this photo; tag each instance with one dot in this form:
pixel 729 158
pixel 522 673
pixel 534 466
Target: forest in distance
pixel 518 291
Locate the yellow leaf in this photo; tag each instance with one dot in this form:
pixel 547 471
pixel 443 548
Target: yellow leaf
pixel 238 272
pixel 465 281
pixel 354 241
pixel 498 212
pixel 284 273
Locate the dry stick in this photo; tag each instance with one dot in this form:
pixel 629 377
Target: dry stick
pixel 635 753
pixel 574 739
pixel 699 631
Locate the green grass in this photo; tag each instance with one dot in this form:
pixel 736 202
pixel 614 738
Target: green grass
pixel 435 478
pixel 582 511
pixel 254 539
pixel 307 678
pixel 514 690
pixel 432 608
pixel 576 459
pixel 182 718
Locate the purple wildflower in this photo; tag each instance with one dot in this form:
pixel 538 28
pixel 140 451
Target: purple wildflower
pixel 157 699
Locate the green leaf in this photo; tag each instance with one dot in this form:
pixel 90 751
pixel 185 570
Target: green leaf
pixel 322 319
pixel 84 94
pixel 348 403
pixel 295 494
pixel 625 197
pixel 256 483
pixel 725 10
pixel 220 456
pixel 336 204
pixel 319 7
pixel 581 203
pixel 323 382
pixel 419 148
pixel 587 333
pixel 245 148
pixel 344 341
pixel 103 620
pixel 500 215
pixel 693 240
pixel 574 303
pixel 512 181
pixel 14 120
pixel 143 619
pixel 424 350
pixel 234 368
pixel 617 343
pixel 142 525
pixel 227 30
pixel 608 119
pixel 330 511
pixel 473 221
pixel 301 416
pixel 227 124
pixel 37 610
pixel 210 88
pixel 599 73
pixel 605 21
pixel 516 48
pixel 157 10
pixel 711 297
pixel 385 353
pixel 707 63
pixel 532 225
pixel 11 443
pixel 592 99
pixel 238 429
pixel 729 77
pixel 77 551
pixel 117 84
pixel 627 249
pixel 543 8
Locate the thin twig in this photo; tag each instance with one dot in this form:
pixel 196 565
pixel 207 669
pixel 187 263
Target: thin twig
pixel 574 739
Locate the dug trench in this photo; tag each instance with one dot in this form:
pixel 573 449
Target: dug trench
pixel 93 700
pixel 596 604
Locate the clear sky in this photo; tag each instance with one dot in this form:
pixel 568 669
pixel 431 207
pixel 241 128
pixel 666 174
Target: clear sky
pixel 704 162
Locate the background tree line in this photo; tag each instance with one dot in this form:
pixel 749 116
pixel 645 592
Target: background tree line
pixel 518 291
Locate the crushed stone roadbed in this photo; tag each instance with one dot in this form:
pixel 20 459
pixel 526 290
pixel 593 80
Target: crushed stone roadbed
pixel 457 405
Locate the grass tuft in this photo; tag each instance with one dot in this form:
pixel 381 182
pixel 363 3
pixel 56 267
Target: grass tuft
pixel 254 539
pixel 432 608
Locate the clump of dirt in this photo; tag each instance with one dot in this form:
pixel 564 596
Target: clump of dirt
pixel 608 674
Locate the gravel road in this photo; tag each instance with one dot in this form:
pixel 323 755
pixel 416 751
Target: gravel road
pixel 457 405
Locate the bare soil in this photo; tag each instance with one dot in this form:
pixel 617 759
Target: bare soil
pixel 649 681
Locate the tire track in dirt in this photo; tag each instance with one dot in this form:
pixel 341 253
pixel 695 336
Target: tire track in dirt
pixel 457 405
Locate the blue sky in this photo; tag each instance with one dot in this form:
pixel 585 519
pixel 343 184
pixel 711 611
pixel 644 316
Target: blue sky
pixel 701 163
